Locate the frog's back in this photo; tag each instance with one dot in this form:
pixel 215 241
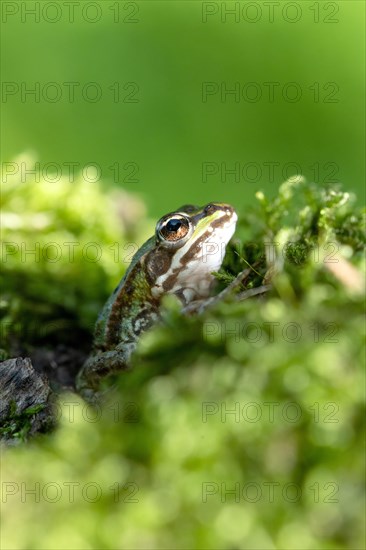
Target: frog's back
pixel 114 323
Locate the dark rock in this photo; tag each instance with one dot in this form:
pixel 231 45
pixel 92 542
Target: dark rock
pixel 25 400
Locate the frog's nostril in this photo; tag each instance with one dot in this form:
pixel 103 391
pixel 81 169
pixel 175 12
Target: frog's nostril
pixel 210 208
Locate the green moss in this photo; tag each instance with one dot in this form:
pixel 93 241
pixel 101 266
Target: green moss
pixel 17 425
pixel 65 244
pixel 239 428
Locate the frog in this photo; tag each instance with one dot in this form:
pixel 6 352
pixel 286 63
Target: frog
pixel 179 259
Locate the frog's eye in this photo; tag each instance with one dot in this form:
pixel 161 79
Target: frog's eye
pixel 174 228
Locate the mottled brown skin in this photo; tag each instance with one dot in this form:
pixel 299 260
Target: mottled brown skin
pixel 132 308
pixel 129 311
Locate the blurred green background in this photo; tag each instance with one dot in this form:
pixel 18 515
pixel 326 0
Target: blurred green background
pixel 161 129
pixel 151 132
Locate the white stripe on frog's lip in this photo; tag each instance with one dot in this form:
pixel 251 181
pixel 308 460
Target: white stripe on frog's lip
pixel 195 272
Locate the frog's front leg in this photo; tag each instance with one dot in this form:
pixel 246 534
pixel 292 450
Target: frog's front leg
pixel 199 306
pixel 100 365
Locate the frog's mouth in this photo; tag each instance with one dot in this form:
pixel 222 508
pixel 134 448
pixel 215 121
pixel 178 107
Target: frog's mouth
pixel 212 242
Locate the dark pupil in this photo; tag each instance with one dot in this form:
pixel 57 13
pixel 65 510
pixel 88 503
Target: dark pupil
pixel 173 225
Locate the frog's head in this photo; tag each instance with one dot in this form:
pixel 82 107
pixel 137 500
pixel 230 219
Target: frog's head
pixel 189 245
